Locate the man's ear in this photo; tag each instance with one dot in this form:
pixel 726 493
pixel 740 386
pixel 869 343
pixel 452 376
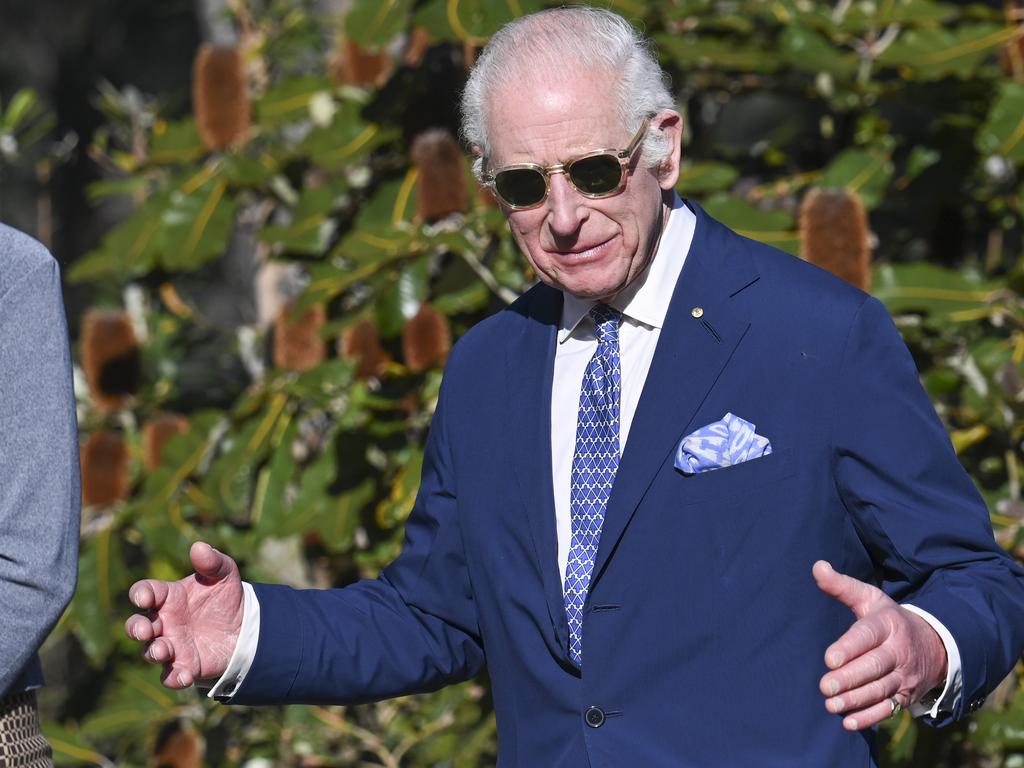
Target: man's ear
pixel 670 123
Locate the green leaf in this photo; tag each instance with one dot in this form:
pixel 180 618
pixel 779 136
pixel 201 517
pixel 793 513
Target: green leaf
pixel 1003 131
pixel 866 172
pixel 402 297
pixel 288 101
pixel 374 23
pixel 22 106
pixel 176 142
pixel 935 52
pixel 687 51
pixel 311 228
pixel 195 226
pixel 701 178
pixel 347 138
pixel 474 20
pixel 128 250
pixel 922 287
pixel 96 607
pixel 774 228
pixel 70 747
pixel 805 49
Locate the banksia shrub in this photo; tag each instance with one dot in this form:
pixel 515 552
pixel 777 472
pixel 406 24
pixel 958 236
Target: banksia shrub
pixel 361 344
pixel 220 97
pixel 104 469
pixel 298 345
pixel 155 434
pixel 834 234
pixel 110 358
pixel 441 186
pixel 426 339
pixel 351 64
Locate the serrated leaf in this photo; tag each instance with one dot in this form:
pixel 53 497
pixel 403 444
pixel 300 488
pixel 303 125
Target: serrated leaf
pixel 1003 131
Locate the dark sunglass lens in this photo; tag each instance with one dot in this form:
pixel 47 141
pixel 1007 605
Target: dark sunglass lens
pixel 596 175
pixel 520 186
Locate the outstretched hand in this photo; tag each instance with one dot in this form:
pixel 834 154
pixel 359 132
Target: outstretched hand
pixel 888 653
pixel 191 625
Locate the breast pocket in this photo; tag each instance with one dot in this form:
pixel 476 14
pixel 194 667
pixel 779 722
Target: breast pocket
pixel 737 480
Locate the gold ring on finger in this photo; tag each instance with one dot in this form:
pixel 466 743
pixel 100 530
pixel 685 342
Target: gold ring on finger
pixel 896 706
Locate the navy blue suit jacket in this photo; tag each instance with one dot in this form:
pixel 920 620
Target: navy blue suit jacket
pixel 704 632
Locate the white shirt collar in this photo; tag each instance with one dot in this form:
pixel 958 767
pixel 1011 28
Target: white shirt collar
pixel 646 300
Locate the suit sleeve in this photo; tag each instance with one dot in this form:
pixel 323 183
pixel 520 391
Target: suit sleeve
pixel 916 509
pixel 412 630
pixel 39 483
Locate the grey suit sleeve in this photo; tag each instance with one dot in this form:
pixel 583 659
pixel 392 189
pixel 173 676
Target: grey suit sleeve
pixel 39 480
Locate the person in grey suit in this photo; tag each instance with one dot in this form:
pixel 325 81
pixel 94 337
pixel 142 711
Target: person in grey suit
pixel 40 490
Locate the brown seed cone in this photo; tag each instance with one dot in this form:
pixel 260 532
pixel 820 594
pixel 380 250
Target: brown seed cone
pixel 1011 58
pixel 426 339
pixel 155 434
pixel 834 234
pixel 361 344
pixel 351 64
pixel 104 469
pixel 183 748
pixel 416 47
pixel 441 186
pixel 298 345
pixel 485 198
pixel 220 97
pixel 110 358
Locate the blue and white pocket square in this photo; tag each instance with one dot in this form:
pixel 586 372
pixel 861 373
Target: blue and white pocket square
pixel 722 443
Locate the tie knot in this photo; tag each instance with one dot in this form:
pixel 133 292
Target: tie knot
pixel 606 321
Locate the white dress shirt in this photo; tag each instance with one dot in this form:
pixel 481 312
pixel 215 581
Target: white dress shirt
pixel 643 305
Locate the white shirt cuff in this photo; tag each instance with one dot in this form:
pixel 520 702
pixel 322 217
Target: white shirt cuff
pixel 946 700
pixel 245 648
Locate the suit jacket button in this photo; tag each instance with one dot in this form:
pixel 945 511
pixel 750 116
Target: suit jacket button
pixel 594 717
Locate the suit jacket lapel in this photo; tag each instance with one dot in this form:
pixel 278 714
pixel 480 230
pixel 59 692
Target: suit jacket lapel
pixel 530 365
pixel 693 349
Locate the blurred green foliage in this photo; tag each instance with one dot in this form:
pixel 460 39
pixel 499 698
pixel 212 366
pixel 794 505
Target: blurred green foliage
pixel 916 105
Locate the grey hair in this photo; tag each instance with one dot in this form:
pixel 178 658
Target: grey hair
pixel 577 39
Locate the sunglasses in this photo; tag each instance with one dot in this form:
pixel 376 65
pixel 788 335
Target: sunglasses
pixel 597 174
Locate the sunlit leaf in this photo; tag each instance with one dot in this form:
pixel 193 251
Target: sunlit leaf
pixel 1003 132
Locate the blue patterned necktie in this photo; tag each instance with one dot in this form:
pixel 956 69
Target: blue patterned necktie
pixel 593 467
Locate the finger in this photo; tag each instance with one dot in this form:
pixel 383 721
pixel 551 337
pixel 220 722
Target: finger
pixel 856 595
pixel 861 670
pixel 865 696
pixel 865 635
pixel 160 651
pixel 210 565
pixel 140 628
pixel 177 677
pixel 148 594
pixel 868 717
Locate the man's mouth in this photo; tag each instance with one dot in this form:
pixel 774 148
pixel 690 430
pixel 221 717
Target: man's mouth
pixel 584 252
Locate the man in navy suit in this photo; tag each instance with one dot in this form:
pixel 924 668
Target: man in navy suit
pixel 637 477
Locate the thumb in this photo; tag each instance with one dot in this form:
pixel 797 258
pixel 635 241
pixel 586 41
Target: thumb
pixel 856 595
pixel 211 566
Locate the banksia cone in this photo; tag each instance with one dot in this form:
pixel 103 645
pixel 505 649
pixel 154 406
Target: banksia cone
pixel 834 234
pixel 416 48
pixel 104 469
pixel 298 345
pixel 182 748
pixel 351 64
pixel 220 97
pixel 361 344
pixel 110 358
pixel 155 434
pixel 1011 58
pixel 441 187
pixel 426 339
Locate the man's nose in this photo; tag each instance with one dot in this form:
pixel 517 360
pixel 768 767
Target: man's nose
pixel 567 208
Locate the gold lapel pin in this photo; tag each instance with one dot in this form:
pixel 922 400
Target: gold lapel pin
pixel 697 312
